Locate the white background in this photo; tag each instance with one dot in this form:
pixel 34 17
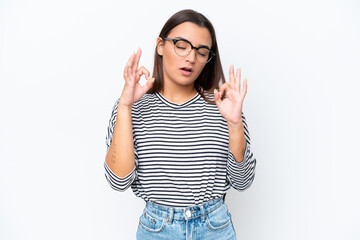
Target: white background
pixel 61 66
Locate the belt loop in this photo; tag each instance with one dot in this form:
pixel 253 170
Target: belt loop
pixel 171 215
pixel 203 214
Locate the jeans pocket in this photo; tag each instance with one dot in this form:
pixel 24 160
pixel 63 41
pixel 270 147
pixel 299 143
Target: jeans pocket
pixel 220 218
pixel 151 222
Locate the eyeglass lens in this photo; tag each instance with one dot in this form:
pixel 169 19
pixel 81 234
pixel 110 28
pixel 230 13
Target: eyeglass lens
pixel 183 48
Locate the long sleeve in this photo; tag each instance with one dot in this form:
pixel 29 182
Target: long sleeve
pixel 116 182
pixel 241 174
pixel 182 155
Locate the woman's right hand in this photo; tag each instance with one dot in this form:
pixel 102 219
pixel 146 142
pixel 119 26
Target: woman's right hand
pixel 133 91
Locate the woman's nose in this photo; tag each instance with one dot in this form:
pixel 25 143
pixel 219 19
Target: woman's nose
pixel 192 56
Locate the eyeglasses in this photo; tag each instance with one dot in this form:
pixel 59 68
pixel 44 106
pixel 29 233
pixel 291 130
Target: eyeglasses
pixel 183 48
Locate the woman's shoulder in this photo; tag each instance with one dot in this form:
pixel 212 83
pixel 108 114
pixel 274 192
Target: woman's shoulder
pixel 146 100
pixel 143 100
pixel 208 95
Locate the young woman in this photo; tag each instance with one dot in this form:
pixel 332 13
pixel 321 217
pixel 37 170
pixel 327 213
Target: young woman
pixel 178 141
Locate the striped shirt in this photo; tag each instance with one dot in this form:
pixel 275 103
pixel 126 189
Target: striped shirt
pixel 182 154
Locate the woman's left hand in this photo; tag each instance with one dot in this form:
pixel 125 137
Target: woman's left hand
pixel 231 107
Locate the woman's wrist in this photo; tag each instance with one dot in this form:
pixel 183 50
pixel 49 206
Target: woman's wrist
pixel 235 125
pixel 124 107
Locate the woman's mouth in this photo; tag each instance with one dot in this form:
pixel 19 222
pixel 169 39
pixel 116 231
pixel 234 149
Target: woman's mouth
pixel 186 71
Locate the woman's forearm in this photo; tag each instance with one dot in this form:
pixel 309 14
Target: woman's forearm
pixel 237 141
pixel 120 156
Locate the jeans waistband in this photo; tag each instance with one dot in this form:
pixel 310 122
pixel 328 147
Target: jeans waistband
pixel 184 213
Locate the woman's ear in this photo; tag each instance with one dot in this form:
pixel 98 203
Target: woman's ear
pixel 160 46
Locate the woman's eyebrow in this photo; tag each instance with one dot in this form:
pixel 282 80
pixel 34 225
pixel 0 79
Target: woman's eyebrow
pixel 206 46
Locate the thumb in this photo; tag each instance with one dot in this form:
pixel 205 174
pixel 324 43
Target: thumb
pixel 149 84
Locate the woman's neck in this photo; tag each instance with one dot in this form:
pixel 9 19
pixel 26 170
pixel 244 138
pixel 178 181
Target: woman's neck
pixel 178 94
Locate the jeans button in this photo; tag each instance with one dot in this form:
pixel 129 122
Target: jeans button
pixel 188 213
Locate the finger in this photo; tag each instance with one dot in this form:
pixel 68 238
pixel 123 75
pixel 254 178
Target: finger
pixel 142 70
pixel 231 75
pixel 237 80
pixel 131 63
pixel 126 69
pixel 217 98
pixel 131 60
pixel 244 89
pixel 129 70
pixel 224 88
pixel 125 74
pixel 136 60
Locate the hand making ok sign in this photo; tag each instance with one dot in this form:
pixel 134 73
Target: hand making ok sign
pixel 231 106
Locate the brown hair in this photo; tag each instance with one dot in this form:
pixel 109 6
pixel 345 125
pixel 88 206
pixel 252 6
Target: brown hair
pixel 211 75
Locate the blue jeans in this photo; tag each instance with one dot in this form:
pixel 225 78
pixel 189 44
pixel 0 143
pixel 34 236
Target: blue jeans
pixel 208 221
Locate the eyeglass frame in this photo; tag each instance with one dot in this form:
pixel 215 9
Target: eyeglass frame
pixel 212 54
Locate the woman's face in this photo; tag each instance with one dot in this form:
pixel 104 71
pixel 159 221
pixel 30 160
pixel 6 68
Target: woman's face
pixel 173 64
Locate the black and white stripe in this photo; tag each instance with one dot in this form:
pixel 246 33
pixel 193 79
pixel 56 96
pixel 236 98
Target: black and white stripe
pixel 182 154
